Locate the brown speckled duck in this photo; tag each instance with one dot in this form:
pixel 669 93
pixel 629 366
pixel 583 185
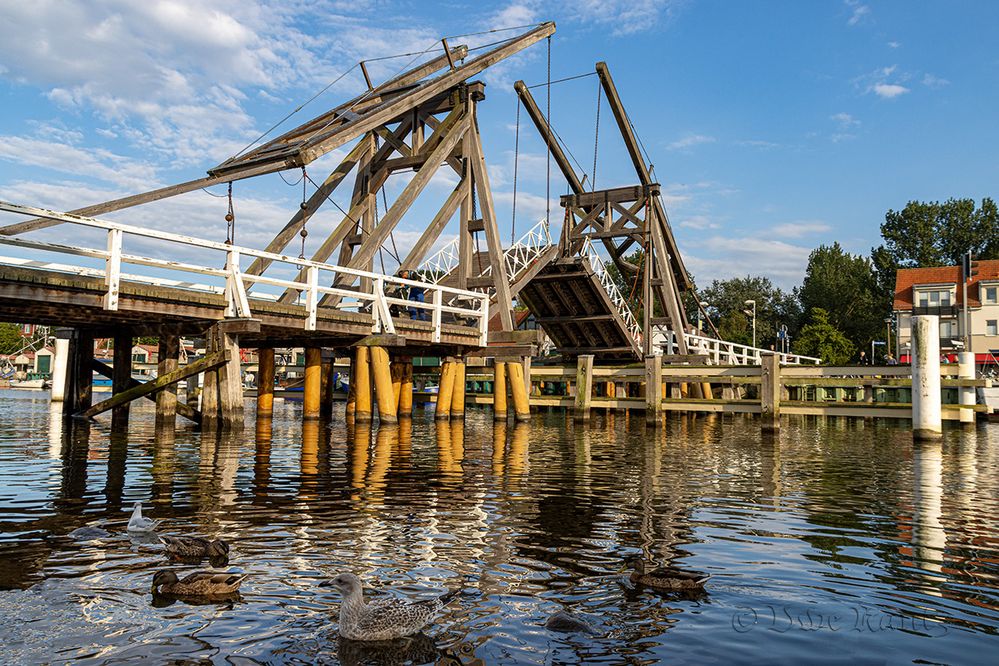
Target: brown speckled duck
pixel 666 578
pixel 197 584
pixel 190 547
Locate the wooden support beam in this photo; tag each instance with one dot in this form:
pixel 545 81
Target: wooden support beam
pixel 210 362
pixel 445 389
pixel 80 396
pixel 518 387
pixel 458 391
pixel 434 229
pixel 406 390
pixel 121 376
pixel 360 381
pixel 499 391
pixel 381 369
pixel 166 400
pixel 494 243
pixel 311 392
pixel 265 382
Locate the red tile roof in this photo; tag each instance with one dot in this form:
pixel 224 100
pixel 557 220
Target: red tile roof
pixel 907 278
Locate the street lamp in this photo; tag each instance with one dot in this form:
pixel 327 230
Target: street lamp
pixel 888 336
pixel 700 316
pixel 752 314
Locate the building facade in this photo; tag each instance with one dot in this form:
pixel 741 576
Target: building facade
pixel 939 291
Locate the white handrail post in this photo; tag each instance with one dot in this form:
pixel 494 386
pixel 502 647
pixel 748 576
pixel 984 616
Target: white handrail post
pixel 237 304
pixel 112 270
pixel 436 316
pixel 379 308
pixel 484 322
pixel 311 297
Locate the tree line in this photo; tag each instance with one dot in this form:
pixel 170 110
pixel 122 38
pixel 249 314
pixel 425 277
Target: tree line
pixel 843 302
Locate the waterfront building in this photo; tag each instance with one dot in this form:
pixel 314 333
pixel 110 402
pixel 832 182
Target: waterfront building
pixel 939 291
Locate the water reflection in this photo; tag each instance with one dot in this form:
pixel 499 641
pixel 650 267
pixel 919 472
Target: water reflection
pixel 531 518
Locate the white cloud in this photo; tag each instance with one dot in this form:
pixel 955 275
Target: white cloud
pixel 758 143
pixel 623 17
pixel 722 257
pixel 690 141
pixel 894 45
pixel 800 228
pixel 860 12
pixel 889 90
pixel 844 120
pixel 67 158
pixel 931 81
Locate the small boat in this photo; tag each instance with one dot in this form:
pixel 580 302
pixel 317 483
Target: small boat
pixel 30 384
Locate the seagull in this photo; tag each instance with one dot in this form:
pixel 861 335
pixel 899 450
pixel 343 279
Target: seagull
pixel 382 619
pixel 139 524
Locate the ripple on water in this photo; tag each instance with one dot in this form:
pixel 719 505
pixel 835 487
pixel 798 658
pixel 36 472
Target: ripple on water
pixel 836 541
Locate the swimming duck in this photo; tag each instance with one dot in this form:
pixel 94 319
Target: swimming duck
pixel 382 619
pixel 666 578
pixel 197 584
pixel 139 524
pixel 189 547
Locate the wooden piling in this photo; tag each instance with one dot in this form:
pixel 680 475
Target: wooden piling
pixel 406 390
pixel 121 376
pixel 230 381
pixel 396 372
pixel 653 390
pixel 360 384
pixel 60 364
pixel 499 391
pixel 265 383
pixel 444 390
pixel 584 387
pixel 380 368
pixel 326 393
pixel 458 391
pixel 169 361
pixel 770 392
pixel 312 391
pixel 518 387
pixel 80 394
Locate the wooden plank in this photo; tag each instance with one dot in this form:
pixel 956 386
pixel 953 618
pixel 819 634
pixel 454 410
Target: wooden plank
pixel 211 362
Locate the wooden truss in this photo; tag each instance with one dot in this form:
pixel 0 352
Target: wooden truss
pixel 418 121
pixel 623 219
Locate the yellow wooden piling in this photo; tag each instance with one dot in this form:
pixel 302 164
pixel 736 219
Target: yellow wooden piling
pixel 361 386
pixel 521 406
pixel 312 392
pixel 458 391
pixel 499 391
pixel 265 383
pixel 380 368
pixel 444 391
pixel 406 390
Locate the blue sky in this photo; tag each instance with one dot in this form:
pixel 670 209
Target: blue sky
pixel 773 126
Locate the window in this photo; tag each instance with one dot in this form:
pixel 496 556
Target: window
pixel 991 295
pixel 935 298
pixel 991 327
pixel 946 329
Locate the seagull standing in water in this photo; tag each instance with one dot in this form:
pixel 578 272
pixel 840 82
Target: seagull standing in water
pixel 382 619
pixel 139 524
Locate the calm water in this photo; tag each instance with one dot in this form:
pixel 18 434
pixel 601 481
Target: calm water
pixel 840 542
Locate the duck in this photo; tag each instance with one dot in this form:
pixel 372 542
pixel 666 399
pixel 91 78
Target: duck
pixel 567 623
pixel 137 523
pixel 382 619
pixel 191 547
pixel 666 578
pixel 197 584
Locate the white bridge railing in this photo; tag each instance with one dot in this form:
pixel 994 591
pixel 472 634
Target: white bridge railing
pixel 616 297
pixel 720 352
pixel 366 292
pixel 518 256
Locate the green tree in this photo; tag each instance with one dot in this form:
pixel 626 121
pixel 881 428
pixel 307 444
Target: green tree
pixel 925 234
pixel 820 338
pixel 10 338
pixel 844 287
pixel 774 307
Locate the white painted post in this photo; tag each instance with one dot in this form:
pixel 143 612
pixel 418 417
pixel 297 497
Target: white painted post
pixel 966 370
pixel 59 366
pixel 484 321
pixel 926 422
pixel 436 315
pixel 112 270
pixel 312 298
